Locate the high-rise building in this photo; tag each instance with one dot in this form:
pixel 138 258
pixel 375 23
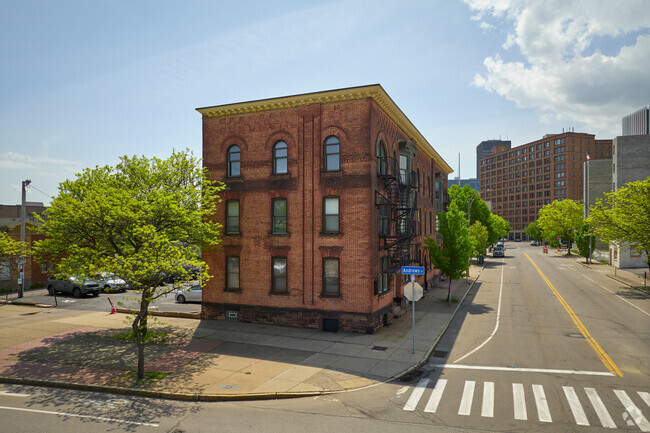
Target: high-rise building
pixel 520 180
pixel 637 123
pixel 484 149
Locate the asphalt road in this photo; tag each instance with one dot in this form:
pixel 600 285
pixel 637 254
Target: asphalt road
pixel 542 343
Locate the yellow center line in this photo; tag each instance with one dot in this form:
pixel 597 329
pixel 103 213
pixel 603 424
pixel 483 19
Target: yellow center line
pixel 604 357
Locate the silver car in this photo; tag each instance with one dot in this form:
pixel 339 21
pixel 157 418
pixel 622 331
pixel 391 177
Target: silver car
pixel 190 294
pixel 111 283
pixel 75 286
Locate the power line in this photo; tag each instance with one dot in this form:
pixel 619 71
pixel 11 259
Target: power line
pixel 32 186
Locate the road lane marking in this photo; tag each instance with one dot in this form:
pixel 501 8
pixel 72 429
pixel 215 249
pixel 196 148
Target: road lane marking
pixel 645 396
pixel 576 407
pixel 604 357
pixel 74 415
pixel 543 413
pixel 496 326
pixel 416 395
pixel 436 396
pixel 619 297
pixel 525 370
pixel 487 410
pixel 633 411
pixel 519 401
pixel 465 407
pixel 604 417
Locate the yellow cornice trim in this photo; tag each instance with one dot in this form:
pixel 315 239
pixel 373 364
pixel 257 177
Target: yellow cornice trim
pixel 374 92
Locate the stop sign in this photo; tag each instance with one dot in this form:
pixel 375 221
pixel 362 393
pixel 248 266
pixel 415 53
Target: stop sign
pixel 413 291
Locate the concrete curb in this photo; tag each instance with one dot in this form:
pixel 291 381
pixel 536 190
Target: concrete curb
pixel 26 303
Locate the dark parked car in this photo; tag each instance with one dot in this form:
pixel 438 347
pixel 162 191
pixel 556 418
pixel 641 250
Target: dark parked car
pixel 74 286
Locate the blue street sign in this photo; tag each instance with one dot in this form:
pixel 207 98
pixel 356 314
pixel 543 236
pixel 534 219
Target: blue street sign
pixel 412 270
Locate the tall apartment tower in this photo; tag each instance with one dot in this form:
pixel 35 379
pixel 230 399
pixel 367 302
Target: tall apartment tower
pixel 520 180
pixel 637 123
pixel 484 149
pixel 329 194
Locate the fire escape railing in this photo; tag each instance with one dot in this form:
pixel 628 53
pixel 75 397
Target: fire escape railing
pixel 397 211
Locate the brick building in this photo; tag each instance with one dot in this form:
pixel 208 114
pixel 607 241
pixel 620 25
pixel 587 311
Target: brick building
pixel 329 193
pixel 520 180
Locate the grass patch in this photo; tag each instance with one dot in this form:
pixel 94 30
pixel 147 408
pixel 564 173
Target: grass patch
pixel 604 262
pixel 153 336
pixel 130 379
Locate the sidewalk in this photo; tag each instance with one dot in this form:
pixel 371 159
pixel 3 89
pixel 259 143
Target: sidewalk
pixel 217 360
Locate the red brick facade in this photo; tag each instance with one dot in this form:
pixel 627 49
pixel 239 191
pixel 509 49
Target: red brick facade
pixel 358 119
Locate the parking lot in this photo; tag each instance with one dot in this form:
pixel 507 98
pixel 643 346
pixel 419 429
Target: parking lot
pixel 129 299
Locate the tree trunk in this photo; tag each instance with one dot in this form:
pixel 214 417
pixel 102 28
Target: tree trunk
pixel 449 292
pixel 139 327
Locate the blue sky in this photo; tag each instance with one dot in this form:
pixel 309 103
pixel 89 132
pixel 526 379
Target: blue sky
pixel 83 82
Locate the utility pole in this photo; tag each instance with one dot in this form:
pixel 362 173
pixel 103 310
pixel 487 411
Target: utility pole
pixel 22 260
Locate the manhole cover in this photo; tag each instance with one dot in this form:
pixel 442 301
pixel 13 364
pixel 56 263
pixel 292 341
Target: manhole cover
pixel 439 354
pixel 576 335
pixel 381 348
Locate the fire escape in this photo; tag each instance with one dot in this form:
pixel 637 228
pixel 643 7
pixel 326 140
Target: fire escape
pixel 397 207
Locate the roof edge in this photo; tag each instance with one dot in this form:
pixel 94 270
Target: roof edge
pixel 373 91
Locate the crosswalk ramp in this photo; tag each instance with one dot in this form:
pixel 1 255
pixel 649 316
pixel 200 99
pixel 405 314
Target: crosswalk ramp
pixel 580 401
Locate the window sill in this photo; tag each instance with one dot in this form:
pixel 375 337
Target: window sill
pixel 331 234
pixel 278 293
pixel 332 173
pixel 331 295
pixel 281 235
pixel 226 289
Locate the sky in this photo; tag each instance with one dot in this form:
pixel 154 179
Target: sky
pixel 85 82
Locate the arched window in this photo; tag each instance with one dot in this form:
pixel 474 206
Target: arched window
pixel 382 161
pixel 280 158
pixel 332 151
pixel 234 161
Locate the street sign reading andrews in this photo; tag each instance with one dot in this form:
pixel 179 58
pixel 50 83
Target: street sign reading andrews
pixel 412 270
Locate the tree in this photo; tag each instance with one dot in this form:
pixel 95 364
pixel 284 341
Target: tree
pixel 534 231
pixel 479 236
pixel 626 218
pixel 560 218
pixel 144 220
pixel 453 258
pixel 500 228
pixel 10 248
pixel 585 241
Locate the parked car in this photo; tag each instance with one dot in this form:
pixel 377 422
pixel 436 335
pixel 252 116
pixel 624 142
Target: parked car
pixel 500 244
pixel 75 286
pixel 534 243
pixel 190 294
pixel 111 283
pixel 498 252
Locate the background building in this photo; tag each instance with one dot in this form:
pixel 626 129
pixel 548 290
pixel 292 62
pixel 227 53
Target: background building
pixel 485 148
pixel 329 194
pixel 475 184
pixel 637 123
pixel 520 180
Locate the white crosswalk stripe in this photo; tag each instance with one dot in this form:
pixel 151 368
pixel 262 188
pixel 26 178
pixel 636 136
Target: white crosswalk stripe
pixel 487 410
pixel 576 407
pixel 592 404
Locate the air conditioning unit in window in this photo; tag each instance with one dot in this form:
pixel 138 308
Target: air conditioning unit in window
pixel 232 315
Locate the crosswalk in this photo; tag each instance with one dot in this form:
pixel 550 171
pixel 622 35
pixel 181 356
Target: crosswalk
pixel 582 402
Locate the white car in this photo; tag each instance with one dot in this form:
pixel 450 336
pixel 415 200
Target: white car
pixel 111 283
pixel 190 294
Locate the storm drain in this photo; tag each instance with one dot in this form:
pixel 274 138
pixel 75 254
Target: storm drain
pixel 380 348
pixel 439 354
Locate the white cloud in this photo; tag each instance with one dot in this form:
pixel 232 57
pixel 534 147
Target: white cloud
pixel 18 161
pixel 564 72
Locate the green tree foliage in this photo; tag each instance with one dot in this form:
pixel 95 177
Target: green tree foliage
pixel 499 227
pixel 585 241
pixel 534 231
pixel 626 217
pixel 560 218
pixel 466 199
pixel 453 259
pixel 10 249
pixel 143 219
pixel 478 233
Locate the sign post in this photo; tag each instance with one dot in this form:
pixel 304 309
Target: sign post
pixel 415 293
